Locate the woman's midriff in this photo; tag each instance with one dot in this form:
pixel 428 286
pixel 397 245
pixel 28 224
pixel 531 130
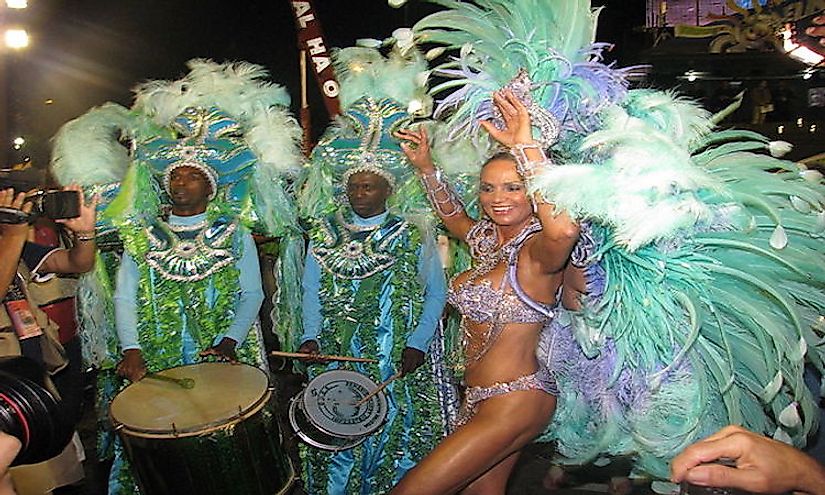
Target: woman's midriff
pixel 513 355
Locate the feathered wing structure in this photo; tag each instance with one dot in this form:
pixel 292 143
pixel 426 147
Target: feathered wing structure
pixel 705 287
pixel 227 116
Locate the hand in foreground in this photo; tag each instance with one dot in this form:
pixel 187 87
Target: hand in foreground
pixel 411 359
pixel 132 365
pixel 416 145
pixel 311 347
pixel 818 30
pixel 85 222
pixel 224 351
pixel 15 202
pixel 517 126
pixel 762 465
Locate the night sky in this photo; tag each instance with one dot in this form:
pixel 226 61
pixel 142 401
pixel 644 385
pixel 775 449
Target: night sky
pixel 87 52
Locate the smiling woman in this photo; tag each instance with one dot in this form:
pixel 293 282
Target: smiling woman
pixel 520 252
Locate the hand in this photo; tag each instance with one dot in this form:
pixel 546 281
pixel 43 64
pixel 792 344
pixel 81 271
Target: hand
pixel 517 126
pixel 16 202
pixel 85 222
pixel 762 465
pixel 411 360
pixel 818 30
pixel 132 366
pixel 224 351
pixel 416 145
pixel 311 347
pixel 9 448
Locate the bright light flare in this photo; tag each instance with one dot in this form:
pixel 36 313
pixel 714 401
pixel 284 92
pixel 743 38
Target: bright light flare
pixel 17 38
pixel 797 51
pixel 17 4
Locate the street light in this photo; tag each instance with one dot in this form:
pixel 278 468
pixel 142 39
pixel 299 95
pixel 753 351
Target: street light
pixel 17 38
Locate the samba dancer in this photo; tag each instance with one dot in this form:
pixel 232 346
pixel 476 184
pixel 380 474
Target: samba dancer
pixel 701 266
pixel 520 248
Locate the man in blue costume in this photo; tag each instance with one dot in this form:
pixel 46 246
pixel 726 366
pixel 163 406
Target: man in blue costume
pixel 374 287
pixel 187 241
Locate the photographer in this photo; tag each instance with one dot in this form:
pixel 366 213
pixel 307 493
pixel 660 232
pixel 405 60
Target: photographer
pixel 24 328
pixel 12 238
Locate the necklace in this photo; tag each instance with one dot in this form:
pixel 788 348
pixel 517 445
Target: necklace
pixel 487 254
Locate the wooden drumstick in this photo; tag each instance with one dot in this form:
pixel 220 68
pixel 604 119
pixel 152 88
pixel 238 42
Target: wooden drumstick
pixel 306 355
pixel 186 383
pixel 379 388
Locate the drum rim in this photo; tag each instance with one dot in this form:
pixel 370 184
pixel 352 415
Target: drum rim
pixel 203 428
pixel 381 397
pixel 294 403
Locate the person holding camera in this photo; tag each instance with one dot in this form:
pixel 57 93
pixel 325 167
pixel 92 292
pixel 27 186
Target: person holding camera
pixel 26 330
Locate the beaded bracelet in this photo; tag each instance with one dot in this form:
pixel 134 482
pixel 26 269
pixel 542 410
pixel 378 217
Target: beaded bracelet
pixel 527 168
pixel 85 235
pixel 449 198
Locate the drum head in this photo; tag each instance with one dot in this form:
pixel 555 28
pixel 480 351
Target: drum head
pixel 330 399
pixel 312 435
pixel 221 392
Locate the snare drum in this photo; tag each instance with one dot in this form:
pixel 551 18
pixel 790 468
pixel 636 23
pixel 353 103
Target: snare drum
pixel 219 436
pixel 327 415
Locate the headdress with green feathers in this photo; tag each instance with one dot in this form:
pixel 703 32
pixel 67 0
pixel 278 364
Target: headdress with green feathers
pixel 705 291
pixel 380 94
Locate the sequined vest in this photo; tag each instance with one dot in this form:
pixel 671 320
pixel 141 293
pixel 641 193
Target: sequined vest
pixel 369 280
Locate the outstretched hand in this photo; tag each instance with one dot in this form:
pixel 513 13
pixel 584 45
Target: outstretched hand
pixel 517 125
pixel 763 465
pixel 416 145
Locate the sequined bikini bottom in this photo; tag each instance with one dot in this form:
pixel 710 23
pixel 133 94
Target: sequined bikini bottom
pixel 540 380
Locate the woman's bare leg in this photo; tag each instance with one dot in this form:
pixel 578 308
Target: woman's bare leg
pixel 501 427
pixel 494 481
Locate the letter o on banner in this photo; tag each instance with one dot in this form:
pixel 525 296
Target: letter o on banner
pixel 331 88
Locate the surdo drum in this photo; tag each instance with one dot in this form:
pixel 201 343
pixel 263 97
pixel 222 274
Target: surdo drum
pixel 219 435
pixel 327 414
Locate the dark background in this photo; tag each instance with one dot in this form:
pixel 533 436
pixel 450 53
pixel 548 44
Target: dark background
pixel 86 52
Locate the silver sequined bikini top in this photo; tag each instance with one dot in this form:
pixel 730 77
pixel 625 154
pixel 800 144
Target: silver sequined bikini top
pixel 479 301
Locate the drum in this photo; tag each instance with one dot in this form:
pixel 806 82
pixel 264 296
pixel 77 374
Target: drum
pixel 327 414
pixel 218 434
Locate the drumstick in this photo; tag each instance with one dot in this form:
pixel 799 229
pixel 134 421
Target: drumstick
pixel 306 355
pixel 186 383
pixel 379 388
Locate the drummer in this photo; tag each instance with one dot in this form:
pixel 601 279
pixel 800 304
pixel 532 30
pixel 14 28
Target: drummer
pixel 168 305
pixel 374 287
pixel 188 286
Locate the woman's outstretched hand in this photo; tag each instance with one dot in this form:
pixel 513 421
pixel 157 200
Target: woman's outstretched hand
pixel 416 145
pixel 517 126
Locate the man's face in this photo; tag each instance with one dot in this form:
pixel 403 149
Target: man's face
pixel 367 194
pixel 189 190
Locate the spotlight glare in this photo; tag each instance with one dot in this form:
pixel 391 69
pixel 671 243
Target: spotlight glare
pixel 797 51
pixel 17 38
pixel 17 4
